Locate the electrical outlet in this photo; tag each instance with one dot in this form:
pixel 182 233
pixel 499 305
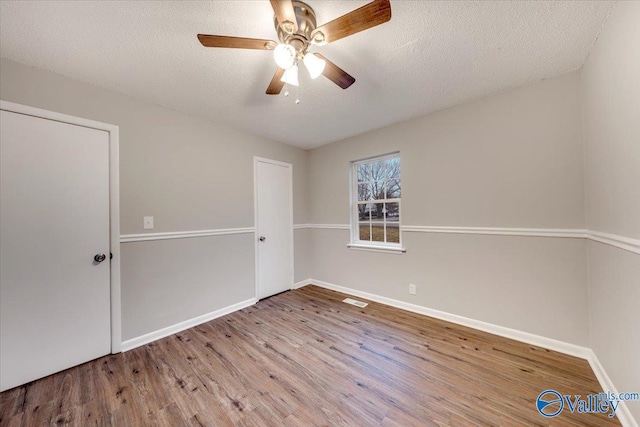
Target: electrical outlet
pixel 412 289
pixel 147 223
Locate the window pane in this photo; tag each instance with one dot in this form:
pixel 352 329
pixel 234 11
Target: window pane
pixel 377 211
pixel 377 189
pixel 376 219
pixel 377 223
pixel 378 170
pixel 364 232
pixel 364 192
pixel 364 172
pixel 392 211
pixel 393 168
pixel 377 231
pixel 364 211
pixel 393 188
pixel 393 222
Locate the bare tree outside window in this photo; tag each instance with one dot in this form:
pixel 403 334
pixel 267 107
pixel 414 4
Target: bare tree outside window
pixel 377 208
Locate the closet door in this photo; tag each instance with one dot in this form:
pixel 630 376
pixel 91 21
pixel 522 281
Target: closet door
pixel 54 247
pixel 274 227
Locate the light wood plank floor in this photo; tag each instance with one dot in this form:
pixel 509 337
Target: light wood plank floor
pixel 304 358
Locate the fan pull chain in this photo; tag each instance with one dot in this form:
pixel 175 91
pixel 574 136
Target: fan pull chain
pixel 297 94
pixel 286 89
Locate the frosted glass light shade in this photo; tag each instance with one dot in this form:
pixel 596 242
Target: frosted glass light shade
pixel 285 55
pixel 314 65
pixel 291 76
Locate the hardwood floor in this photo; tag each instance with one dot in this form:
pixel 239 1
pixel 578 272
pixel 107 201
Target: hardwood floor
pixel 305 358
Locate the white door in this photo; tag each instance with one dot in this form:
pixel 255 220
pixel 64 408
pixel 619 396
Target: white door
pixel 54 218
pixel 274 227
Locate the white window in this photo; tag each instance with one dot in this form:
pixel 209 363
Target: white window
pixel 375 203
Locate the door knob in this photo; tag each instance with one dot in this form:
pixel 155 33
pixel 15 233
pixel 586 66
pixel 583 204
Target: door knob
pixel 99 257
pixel 262 238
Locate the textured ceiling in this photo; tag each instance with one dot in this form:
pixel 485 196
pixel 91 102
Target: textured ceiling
pixel 431 55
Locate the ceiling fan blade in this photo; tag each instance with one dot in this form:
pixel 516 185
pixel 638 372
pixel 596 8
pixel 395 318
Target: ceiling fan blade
pixel 276 84
pixel 236 42
pixel 375 13
pixel 285 14
pixel 336 74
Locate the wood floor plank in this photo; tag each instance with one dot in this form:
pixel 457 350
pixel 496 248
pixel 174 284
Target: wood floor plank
pixel 304 358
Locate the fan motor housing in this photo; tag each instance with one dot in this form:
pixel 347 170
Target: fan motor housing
pixel 306 19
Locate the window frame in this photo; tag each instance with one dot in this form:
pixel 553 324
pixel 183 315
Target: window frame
pixel 355 242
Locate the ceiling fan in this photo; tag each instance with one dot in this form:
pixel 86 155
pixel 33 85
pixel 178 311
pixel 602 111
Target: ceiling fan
pixel 295 24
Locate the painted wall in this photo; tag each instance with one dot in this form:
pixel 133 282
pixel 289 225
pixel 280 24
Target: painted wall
pixel 190 174
pixel 511 160
pixel 611 87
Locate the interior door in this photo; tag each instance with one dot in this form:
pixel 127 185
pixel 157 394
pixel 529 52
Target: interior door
pixel 274 227
pixel 54 219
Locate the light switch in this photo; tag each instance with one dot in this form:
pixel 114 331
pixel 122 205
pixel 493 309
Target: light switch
pixel 148 223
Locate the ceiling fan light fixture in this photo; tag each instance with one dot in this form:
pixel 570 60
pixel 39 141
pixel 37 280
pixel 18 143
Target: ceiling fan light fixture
pixel 290 76
pixel 285 55
pixel 318 38
pixel 287 27
pixel 314 65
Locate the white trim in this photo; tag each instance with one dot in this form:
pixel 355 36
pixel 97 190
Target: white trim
pixel 626 243
pixel 302 283
pixel 114 244
pixel 535 232
pixel 355 242
pixel 271 161
pixel 255 226
pixel 132 343
pixel 529 338
pixel 623 413
pixel 377 248
pixel 323 226
pixel 114 201
pixel 289 166
pixel 621 242
pixel 126 238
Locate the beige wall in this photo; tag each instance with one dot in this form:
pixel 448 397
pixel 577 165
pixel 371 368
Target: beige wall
pixel 611 87
pixel 302 254
pixel 611 91
pixel 532 284
pixel 166 282
pixel 190 174
pixel 511 160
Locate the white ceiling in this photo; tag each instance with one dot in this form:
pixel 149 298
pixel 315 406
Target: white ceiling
pixel 431 55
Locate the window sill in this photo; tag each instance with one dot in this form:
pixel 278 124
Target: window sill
pixel 373 248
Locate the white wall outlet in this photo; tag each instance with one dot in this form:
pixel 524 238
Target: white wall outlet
pixel 147 223
pixel 412 289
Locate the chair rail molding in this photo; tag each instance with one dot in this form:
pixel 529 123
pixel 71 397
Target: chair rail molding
pixel 126 238
pixel 622 242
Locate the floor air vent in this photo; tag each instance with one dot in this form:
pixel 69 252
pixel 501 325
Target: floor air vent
pixel 355 302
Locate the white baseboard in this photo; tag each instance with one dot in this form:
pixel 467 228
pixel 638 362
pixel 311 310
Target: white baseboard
pixel 179 327
pixel 302 283
pixel 537 340
pixel 623 413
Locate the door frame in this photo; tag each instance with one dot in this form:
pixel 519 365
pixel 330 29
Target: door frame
pixel 114 202
pixel 289 166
